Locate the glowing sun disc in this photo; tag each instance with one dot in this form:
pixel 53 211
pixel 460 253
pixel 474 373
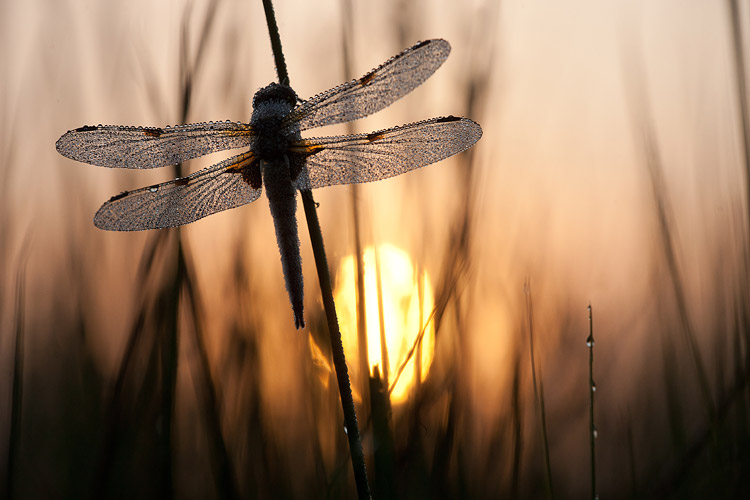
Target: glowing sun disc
pixel 406 306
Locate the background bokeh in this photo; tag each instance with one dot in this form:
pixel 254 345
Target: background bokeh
pixel 612 172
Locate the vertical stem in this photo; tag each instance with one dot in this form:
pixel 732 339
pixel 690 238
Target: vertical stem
pixel 324 278
pixel 538 391
pixel 739 61
pixel 592 389
pixel 273 32
pixel 339 361
pixel 14 438
pixel 354 190
pixel 418 354
pixel 169 353
pixel 226 488
pixel 384 454
pixel 381 320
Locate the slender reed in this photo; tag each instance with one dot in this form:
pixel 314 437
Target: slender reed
pixel 165 307
pixel 631 459
pixel 517 425
pixel 16 409
pixel 665 218
pixel 226 483
pixel 739 61
pixel 324 278
pixel 538 390
pixel 385 368
pixel 592 390
pixel 384 453
pixel 347 37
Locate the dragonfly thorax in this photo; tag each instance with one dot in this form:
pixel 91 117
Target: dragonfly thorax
pixel 270 105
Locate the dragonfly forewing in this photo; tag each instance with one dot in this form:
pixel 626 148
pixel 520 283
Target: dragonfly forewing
pixel 354 159
pixel 146 147
pixel 374 91
pixel 181 201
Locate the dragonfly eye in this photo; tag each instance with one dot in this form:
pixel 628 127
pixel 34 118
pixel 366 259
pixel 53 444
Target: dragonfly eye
pixel 275 92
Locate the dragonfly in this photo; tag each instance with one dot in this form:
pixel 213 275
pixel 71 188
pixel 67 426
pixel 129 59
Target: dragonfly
pixel 275 154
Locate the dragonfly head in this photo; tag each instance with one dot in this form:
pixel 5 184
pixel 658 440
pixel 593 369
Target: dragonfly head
pixel 275 92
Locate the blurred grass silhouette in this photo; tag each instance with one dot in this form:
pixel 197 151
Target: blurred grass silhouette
pixel 154 366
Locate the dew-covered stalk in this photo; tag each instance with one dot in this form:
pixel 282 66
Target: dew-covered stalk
pixel 324 278
pixel 592 390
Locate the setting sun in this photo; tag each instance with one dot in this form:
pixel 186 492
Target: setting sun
pixel 405 307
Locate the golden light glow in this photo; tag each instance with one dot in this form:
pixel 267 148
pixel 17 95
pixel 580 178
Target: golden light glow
pixel 405 305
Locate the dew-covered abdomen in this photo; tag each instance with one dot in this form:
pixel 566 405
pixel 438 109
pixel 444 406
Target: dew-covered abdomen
pixel 270 105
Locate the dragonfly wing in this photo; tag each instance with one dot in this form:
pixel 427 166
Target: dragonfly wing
pixel 140 147
pixel 376 90
pixel 181 201
pixel 354 159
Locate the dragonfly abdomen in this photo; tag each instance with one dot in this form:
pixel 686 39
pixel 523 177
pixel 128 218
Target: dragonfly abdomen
pixel 283 203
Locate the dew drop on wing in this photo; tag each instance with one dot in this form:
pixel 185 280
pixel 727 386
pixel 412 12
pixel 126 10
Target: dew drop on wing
pixel 153 189
pixel 593 387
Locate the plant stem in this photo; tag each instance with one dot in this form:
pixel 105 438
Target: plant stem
pixel 16 410
pixel 592 389
pixel 339 361
pixel 538 391
pixel 739 63
pixel 273 32
pixel 324 278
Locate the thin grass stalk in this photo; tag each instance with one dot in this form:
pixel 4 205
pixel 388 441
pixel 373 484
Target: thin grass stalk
pixel 170 341
pixel 631 460
pixel 418 354
pixel 339 361
pixel 16 408
pixel 168 344
pixel 381 320
pixel 363 354
pixel 517 426
pixel 324 278
pixel 416 346
pixel 592 390
pixel 741 88
pixel 538 390
pixel 739 61
pixel 384 452
pixel 114 407
pixel 226 483
pixel 169 348
pixel 444 448
pixel 655 172
pixel 347 38
pixel 363 351
pixel 705 437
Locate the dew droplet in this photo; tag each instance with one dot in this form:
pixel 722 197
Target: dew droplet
pixel 595 433
pixel 346 431
pixel 153 189
pixel 590 341
pixel 593 386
